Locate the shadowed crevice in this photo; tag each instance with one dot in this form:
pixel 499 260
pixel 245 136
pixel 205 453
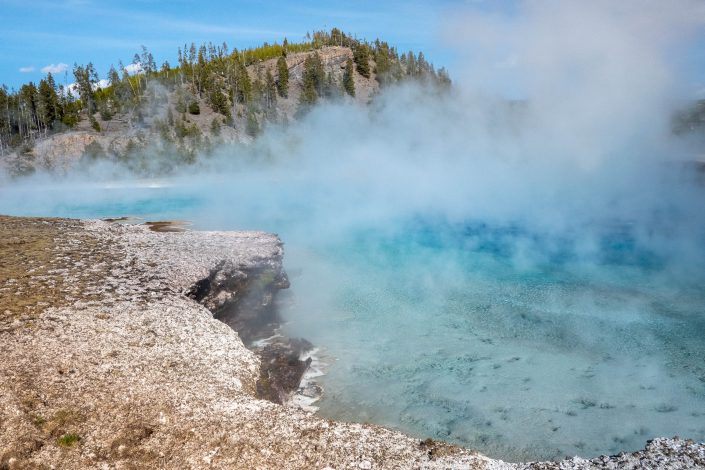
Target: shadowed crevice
pixel 243 297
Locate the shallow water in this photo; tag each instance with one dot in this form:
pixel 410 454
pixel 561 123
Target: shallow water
pixel 513 342
pixel 459 344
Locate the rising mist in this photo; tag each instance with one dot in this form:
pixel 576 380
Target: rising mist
pixel 542 209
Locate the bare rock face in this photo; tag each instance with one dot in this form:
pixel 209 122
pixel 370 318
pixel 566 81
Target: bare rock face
pixel 281 368
pixel 108 361
pixel 61 151
pixel 242 297
pixel 58 152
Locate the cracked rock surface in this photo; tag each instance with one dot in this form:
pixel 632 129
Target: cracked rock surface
pixel 108 363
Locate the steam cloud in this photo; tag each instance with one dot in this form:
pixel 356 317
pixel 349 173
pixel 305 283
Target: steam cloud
pixel 587 140
pixel 559 124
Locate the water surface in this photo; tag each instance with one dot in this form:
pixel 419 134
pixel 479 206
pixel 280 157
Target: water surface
pixel 519 343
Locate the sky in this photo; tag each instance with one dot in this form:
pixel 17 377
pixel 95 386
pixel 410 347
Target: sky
pixel 43 34
pixel 51 35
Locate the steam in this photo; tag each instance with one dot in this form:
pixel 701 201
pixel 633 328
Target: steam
pixel 555 140
pixel 559 123
pixel 587 139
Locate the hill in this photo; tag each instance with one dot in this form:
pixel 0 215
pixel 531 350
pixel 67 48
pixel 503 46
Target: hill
pixel 213 96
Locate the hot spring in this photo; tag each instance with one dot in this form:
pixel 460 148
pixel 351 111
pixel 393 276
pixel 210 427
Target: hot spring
pixel 523 277
pixel 521 343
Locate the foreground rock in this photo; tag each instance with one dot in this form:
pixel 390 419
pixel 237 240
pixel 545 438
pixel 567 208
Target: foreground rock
pixel 108 363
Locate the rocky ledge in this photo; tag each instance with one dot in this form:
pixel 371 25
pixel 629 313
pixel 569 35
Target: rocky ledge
pixel 120 349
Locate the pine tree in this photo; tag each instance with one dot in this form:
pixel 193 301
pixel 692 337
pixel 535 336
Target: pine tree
pixel 48 102
pixel 411 67
pixel 313 79
pixel 243 83
pixel 86 79
pixel 348 78
pixel 219 102
pixel 147 61
pixel 259 98
pixel 361 55
pixel 444 78
pixel 191 61
pixel 270 90
pixel 336 37
pixel 383 62
pixel 308 93
pixel 27 104
pixel 201 69
pixel 69 107
pixel 282 77
pixel 215 126
pixel 113 77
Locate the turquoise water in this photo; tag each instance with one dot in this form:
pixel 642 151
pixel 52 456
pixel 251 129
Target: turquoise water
pixel 520 343
pixel 455 342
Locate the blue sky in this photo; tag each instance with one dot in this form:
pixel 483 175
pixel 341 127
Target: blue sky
pixel 43 34
pixel 38 33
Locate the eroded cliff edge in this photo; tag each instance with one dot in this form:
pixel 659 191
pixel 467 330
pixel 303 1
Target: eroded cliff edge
pixel 108 363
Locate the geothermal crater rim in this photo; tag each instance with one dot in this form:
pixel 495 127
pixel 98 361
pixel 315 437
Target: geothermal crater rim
pixel 117 366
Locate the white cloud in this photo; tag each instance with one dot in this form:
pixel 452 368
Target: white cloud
pixel 134 68
pixel 27 69
pixel 73 87
pixel 55 68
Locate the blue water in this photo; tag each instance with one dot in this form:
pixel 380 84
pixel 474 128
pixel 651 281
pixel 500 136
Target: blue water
pixel 520 343
pixel 450 339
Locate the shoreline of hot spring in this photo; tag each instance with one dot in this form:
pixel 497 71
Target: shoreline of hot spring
pixel 124 346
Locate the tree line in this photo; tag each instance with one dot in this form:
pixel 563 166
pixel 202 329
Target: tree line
pixel 233 83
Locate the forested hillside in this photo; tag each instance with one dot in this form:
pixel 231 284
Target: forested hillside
pixel 212 95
